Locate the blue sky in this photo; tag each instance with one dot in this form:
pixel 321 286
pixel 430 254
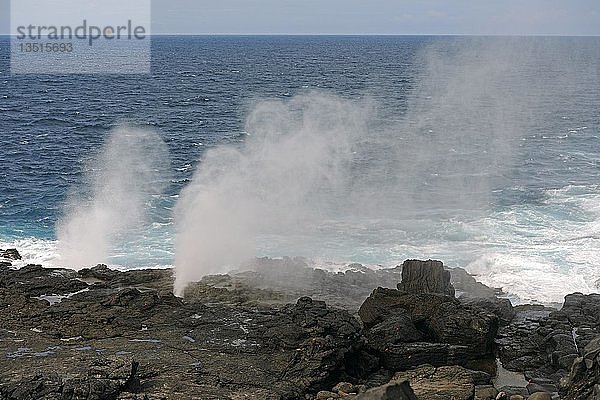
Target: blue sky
pixel 504 17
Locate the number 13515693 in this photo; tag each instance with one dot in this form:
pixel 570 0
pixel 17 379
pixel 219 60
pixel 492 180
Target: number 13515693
pixel 46 47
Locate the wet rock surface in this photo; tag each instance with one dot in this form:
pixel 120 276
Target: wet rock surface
pixel 271 333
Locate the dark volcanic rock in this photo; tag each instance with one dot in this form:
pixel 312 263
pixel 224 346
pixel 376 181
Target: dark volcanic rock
pixel 105 380
pixel 321 340
pixel 10 254
pixel 398 328
pixel 502 308
pixel 455 323
pixel 383 303
pixel 185 350
pixel 425 277
pixel 103 277
pixel 67 334
pixel 406 329
pixel 100 273
pixel 546 343
pixel 520 344
pixel 37 281
pixel 583 314
pixel 583 382
pixel 278 281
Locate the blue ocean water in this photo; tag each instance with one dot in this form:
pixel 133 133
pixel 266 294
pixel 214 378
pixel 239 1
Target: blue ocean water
pixel 535 231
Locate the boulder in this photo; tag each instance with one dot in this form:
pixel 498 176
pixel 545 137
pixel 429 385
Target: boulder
pixel 425 277
pixel 461 325
pixel 390 391
pixel 326 395
pixel 485 392
pixel 384 303
pixel 397 328
pixel 439 327
pixel 448 382
pixel 344 387
pixel 501 308
pixel 540 396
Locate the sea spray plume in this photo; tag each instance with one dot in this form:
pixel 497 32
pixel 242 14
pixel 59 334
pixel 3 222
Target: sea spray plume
pixel 459 133
pixel 320 162
pixel 279 180
pixel 119 182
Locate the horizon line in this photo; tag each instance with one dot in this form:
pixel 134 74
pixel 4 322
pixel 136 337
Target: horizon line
pixel 369 34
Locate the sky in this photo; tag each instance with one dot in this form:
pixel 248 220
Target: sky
pixel 399 17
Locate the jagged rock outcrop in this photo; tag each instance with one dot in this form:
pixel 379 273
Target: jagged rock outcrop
pixel 462 325
pixel 583 381
pixel 408 329
pixel 425 277
pixel 544 343
pixel 502 308
pixel 10 254
pixel 37 281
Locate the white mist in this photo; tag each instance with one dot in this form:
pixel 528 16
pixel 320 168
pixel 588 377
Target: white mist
pixel 131 167
pixel 316 160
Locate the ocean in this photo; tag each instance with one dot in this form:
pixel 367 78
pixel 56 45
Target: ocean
pixel 482 152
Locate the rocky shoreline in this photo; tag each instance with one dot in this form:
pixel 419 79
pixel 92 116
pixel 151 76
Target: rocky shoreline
pixel 280 329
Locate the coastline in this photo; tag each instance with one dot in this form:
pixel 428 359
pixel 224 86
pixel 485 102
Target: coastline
pixel 258 334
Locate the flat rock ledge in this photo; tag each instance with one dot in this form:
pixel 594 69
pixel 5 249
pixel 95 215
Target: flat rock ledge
pixel 283 330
